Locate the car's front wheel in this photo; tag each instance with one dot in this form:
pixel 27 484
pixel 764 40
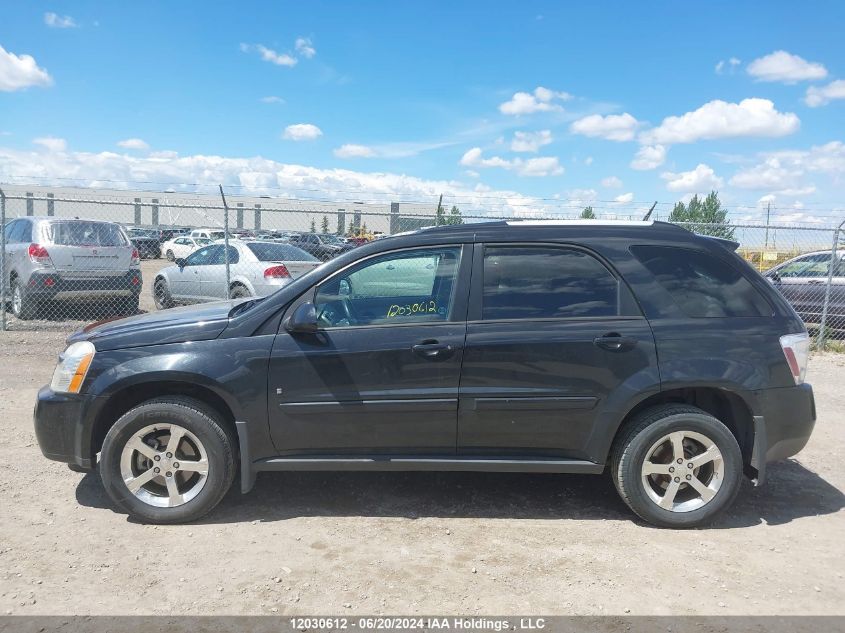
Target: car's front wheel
pixel 170 255
pixel 168 460
pixel 676 466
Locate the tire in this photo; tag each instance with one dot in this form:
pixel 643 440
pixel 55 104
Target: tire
pixel 128 306
pixel 23 307
pixel 188 493
pixel 161 294
pixel 643 487
pixel 170 256
pixel 239 292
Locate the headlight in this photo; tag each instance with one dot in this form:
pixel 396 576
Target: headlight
pixel 72 367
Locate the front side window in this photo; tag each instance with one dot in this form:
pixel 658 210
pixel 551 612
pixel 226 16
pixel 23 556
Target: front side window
pixel 405 287
pixel 701 284
pixel 542 282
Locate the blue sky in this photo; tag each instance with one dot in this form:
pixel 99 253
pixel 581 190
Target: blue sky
pixel 538 105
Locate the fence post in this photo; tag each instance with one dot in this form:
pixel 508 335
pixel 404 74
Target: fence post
pixel 155 211
pixel 30 205
pixel 823 324
pixel 226 241
pixel 51 204
pixel 2 261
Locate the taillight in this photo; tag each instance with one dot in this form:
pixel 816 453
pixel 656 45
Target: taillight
pixel 276 272
pixel 136 257
pixel 796 349
pixel 39 255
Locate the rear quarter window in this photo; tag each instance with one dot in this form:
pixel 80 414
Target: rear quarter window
pixel 703 285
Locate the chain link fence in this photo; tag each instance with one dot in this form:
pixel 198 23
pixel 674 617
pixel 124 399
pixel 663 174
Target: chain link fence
pixel 76 255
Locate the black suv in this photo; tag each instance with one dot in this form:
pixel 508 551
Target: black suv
pixel 574 347
pixel 323 246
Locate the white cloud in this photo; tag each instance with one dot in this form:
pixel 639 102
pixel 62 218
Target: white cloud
pixel 354 151
pixel 272 99
pixel 649 157
pixel 304 47
pixel 56 21
pixel 699 180
pixel 818 96
pixel 770 174
pixel 731 64
pixel 541 166
pixel 625 198
pixel 542 100
pixel 611 182
pixel 827 159
pixel 51 143
pixel 302 132
pixel 530 141
pixel 720 119
pixel 785 67
pixel 134 143
pixel 581 197
pixel 613 127
pixel 18 72
pixel 269 55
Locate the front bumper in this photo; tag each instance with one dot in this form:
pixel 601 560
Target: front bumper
pixel 60 427
pixel 51 285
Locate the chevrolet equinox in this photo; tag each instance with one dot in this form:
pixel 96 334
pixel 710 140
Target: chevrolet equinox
pixel 636 348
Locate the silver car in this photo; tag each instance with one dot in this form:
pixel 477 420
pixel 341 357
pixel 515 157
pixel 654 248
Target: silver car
pixel 256 269
pixel 56 259
pixel 803 280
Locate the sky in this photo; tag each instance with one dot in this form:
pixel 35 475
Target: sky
pixel 526 107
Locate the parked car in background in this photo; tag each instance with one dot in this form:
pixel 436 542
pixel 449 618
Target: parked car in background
pixel 183 246
pixel 256 269
pixel 146 241
pixel 210 234
pixel 356 241
pixel 51 259
pixel 169 233
pixel 803 280
pixel 635 349
pixel 321 245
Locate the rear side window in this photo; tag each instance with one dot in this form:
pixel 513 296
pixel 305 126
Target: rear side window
pixel 702 285
pixel 82 233
pixel 539 282
pixel 270 252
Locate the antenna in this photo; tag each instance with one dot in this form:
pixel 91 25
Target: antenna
pixel 648 215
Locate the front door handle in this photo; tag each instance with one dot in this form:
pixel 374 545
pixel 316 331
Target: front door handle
pixel 815 282
pixel 433 350
pixel 615 342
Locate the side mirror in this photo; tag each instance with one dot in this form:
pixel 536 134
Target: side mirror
pixel 181 262
pixel 774 277
pixel 303 320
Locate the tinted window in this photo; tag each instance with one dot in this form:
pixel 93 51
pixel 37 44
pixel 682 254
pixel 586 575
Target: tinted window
pixel 83 233
pixel 404 287
pixel 203 256
pixel 701 284
pixel 808 266
pixel 280 253
pixel 537 282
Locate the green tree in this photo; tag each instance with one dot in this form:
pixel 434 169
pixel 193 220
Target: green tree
pixel 325 225
pixel 313 225
pixel 454 216
pixel 706 217
pixel 588 214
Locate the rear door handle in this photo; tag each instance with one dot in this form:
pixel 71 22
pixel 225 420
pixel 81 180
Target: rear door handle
pixel 815 282
pixel 615 342
pixel 433 350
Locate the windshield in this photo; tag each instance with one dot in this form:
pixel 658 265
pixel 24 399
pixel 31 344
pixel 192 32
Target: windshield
pixel 84 233
pixel 270 252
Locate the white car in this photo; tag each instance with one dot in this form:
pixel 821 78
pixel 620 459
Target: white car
pixel 210 234
pixel 183 246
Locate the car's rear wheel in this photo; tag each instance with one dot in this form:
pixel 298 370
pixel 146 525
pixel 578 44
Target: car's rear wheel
pixel 168 460
pixel 161 294
pixel 676 466
pixel 23 306
pixel 239 292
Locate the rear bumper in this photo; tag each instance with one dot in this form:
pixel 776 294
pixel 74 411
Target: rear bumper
pixel 787 421
pixel 52 285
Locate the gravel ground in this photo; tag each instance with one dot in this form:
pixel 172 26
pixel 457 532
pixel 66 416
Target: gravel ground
pixel 369 543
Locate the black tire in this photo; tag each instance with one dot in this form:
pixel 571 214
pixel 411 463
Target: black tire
pixel 197 418
pixel 25 308
pixel 127 306
pixel 161 294
pixel 636 439
pixel 239 292
pixel 170 256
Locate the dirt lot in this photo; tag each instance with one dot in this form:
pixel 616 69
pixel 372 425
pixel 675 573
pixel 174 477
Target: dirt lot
pixel 413 543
